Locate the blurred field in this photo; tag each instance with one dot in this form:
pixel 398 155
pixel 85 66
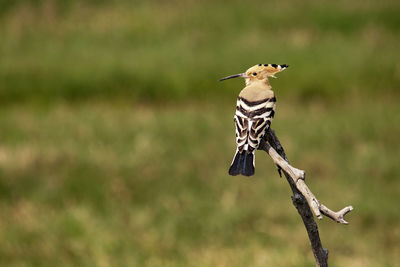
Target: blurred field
pixel 115 136
pixel 178 49
pixel 106 185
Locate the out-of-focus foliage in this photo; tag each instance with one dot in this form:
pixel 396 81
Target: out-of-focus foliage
pixel 178 49
pixel 111 185
pixel 116 136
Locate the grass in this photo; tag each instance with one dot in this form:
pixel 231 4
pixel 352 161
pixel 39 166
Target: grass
pixel 157 50
pixel 115 136
pixel 147 185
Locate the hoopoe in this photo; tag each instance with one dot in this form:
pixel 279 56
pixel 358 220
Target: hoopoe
pixel 255 109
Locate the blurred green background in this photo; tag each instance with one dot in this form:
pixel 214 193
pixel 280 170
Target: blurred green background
pixel 116 137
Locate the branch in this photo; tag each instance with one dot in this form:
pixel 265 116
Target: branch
pixel 302 197
pixel 298 176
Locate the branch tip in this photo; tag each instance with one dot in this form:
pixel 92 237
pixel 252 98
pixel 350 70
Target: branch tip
pixel 298 176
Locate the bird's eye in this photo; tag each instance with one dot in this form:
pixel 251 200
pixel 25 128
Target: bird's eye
pixel 254 74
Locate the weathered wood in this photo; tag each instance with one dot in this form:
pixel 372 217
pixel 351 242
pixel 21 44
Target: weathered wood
pixel 302 197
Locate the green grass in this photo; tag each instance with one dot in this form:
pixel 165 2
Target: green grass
pixel 158 50
pixel 147 185
pixel 115 136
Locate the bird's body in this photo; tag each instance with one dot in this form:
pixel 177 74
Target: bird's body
pixel 255 109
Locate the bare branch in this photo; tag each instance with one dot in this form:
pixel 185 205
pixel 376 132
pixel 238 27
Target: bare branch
pixel 337 216
pixel 302 197
pixel 298 176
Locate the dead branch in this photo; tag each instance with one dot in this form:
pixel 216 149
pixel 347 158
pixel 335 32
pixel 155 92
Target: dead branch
pixel 303 195
pixel 298 176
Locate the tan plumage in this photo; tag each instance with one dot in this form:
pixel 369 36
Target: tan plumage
pixel 255 109
pixel 256 92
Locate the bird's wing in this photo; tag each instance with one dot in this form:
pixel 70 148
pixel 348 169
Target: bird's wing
pixel 242 129
pixel 257 131
pixel 252 120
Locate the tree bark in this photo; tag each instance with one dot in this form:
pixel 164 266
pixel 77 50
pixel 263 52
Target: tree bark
pixel 300 202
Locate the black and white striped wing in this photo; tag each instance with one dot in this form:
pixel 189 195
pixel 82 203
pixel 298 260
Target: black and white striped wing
pixel 252 120
pixel 242 129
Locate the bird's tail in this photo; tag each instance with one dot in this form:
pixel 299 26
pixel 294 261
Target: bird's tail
pixel 243 163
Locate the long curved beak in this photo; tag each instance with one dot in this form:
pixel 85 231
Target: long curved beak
pixel 243 75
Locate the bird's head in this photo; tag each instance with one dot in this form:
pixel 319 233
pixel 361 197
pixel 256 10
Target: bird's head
pixel 259 72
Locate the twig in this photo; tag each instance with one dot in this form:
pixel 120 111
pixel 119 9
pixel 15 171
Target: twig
pixel 303 195
pixel 298 177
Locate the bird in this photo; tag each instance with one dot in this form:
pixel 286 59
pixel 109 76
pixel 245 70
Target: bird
pixel 255 109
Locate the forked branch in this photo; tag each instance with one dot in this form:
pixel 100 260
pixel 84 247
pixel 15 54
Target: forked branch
pixel 302 197
pixel 298 176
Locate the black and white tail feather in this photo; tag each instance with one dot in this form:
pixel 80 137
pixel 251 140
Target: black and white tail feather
pixel 243 163
pixel 252 120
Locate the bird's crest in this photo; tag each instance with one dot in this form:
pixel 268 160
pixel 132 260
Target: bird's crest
pixel 259 71
pixel 267 69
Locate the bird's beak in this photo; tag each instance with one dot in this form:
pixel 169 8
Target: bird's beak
pixel 243 75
